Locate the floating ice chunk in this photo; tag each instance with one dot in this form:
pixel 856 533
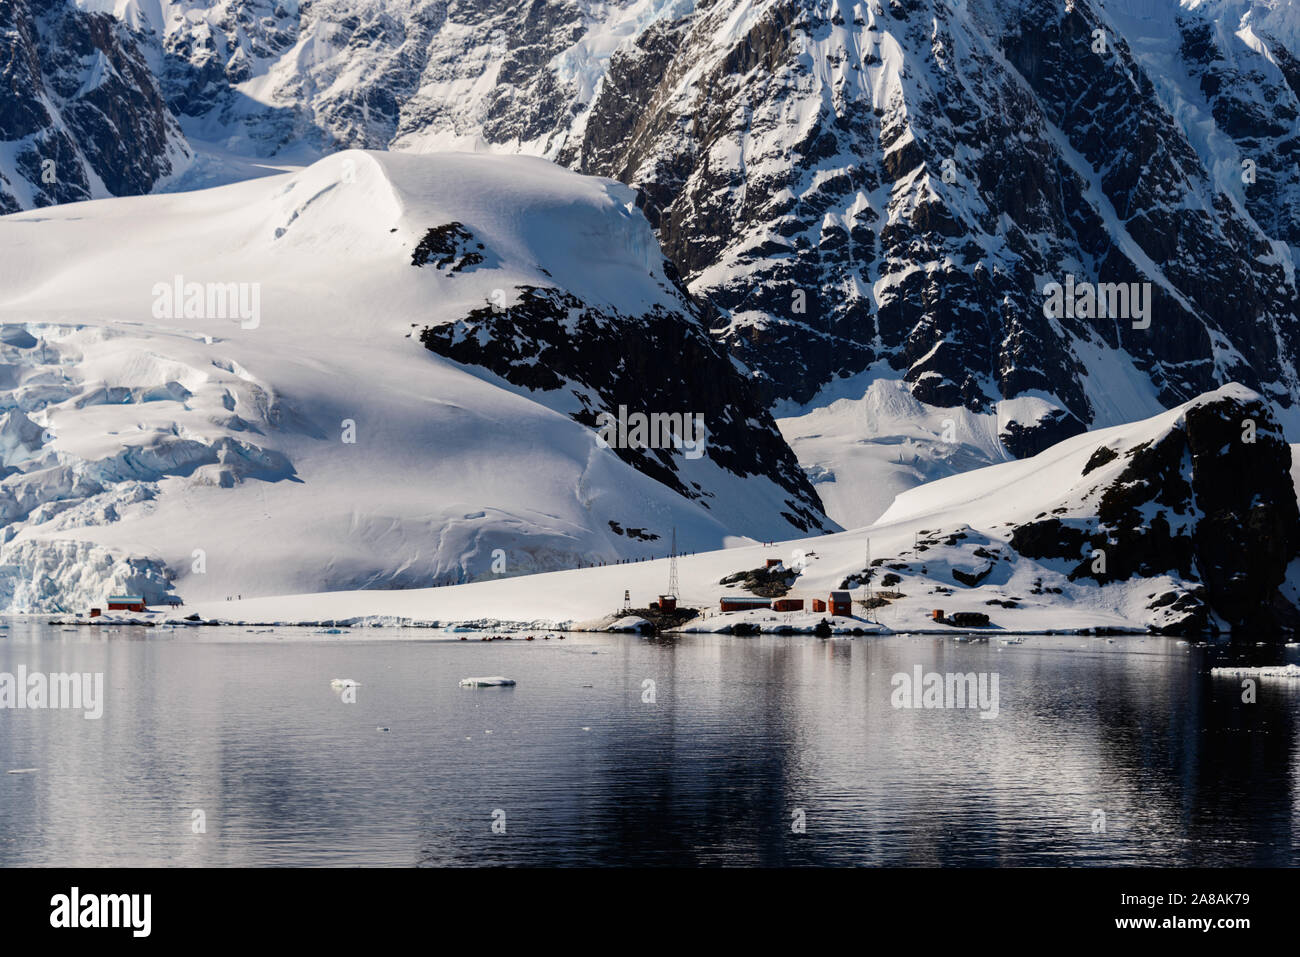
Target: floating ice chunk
pixel 344 683
pixel 494 681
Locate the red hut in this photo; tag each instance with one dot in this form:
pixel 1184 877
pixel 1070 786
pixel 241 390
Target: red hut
pixel 743 603
pixel 818 605
pixel 841 603
pixel 126 603
pixel 788 604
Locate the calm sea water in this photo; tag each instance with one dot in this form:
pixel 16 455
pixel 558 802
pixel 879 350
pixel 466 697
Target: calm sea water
pixel 744 739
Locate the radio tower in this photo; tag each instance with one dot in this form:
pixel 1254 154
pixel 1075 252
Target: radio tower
pixel 871 612
pixel 867 567
pixel 672 567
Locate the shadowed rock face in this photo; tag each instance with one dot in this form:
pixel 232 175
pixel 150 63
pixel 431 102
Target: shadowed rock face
pixel 548 340
pixel 79 103
pixel 1249 529
pixel 1211 501
pixel 801 155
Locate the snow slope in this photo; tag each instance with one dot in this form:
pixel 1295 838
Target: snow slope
pixel 871 156
pixel 319 446
pixel 951 525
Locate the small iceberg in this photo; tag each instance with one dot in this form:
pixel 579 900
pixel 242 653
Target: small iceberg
pixel 344 683
pixel 494 681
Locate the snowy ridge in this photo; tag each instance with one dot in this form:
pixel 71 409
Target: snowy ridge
pixel 317 443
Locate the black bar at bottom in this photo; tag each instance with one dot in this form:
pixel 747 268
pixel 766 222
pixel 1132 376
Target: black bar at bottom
pixel 333 905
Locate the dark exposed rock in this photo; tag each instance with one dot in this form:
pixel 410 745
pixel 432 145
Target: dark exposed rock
pixel 1102 456
pixel 658 620
pixel 637 534
pixel 1049 538
pixel 786 220
pixel 1023 439
pixel 79 103
pixel 662 360
pixel 1210 501
pixel 1250 524
pixel 971 579
pixel 442 245
pixel 764 582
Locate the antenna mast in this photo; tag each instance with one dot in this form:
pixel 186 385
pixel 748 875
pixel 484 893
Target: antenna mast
pixel 672 567
pixel 867 582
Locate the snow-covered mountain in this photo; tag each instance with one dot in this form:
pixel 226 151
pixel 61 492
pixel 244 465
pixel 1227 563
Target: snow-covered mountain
pixel 81 114
pixel 870 203
pixel 862 191
pixel 290 384
pixel 1184 523
pixel 887 190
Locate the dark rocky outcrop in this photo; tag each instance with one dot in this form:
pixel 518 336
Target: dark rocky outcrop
pixel 1211 501
pixel 659 361
pixel 448 245
pixel 765 582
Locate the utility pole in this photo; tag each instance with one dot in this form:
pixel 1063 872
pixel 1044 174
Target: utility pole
pixel 672 567
pixel 867 582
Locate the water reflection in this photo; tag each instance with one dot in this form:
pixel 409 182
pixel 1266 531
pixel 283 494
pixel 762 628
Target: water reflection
pixel 741 741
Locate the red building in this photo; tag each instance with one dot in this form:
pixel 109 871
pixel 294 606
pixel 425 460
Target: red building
pixel 788 604
pixel 743 603
pixel 818 605
pixel 841 603
pixel 126 603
